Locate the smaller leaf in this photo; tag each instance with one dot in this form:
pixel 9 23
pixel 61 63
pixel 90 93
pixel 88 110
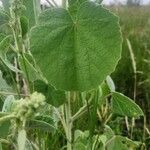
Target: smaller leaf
pixel 110 83
pixel 4 22
pixel 1 147
pixel 4 45
pixel 2 36
pixel 108 132
pixel 28 145
pixel 24 25
pixel 41 125
pixel 4 19
pixel 8 103
pixel 10 66
pixel 27 66
pixel 124 106
pixel 21 139
pixel 105 89
pixel 4 128
pixel 120 143
pixel 3 85
pixel 79 146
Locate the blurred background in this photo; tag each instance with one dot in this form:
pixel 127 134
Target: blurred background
pixel 132 75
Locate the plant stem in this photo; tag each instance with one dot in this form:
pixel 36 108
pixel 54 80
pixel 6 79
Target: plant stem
pixel 81 111
pixel 4 141
pixel 5 118
pixel 18 40
pixel 68 121
pixel 36 5
pixel 9 93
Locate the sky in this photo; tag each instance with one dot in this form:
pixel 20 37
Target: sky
pixel 107 1
pixel 123 1
pixel 104 1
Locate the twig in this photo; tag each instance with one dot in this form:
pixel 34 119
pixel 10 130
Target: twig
pixel 8 117
pixel 9 93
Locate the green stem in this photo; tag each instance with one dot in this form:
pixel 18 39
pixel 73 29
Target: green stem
pixel 81 111
pixel 36 5
pixel 4 141
pixel 9 93
pixel 17 34
pixel 68 121
pixel 5 118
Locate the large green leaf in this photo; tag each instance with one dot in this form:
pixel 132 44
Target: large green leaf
pixel 78 54
pixel 74 5
pixel 124 106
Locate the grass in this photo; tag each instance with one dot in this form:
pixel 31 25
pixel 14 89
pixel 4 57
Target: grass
pixel 135 25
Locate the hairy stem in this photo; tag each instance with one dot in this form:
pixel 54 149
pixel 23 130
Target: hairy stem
pixel 68 121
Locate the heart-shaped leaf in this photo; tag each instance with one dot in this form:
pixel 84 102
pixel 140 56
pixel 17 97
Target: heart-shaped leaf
pixel 78 53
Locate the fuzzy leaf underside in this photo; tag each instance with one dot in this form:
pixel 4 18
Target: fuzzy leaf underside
pixel 76 54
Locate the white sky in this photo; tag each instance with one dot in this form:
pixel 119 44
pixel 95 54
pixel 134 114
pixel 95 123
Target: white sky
pixel 106 1
pixel 123 1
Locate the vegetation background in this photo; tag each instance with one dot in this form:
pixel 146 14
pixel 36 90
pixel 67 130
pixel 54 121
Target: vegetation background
pixel 131 77
pixel 135 24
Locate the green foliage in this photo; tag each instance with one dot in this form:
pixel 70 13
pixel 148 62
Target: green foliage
pixel 32 10
pixel 24 25
pixel 124 106
pixel 41 125
pixel 79 61
pixel 4 128
pixel 4 45
pixel 28 107
pixel 21 139
pixel 64 97
pixel 4 86
pixel 53 96
pixel 8 104
pixel 120 143
pixel 6 4
pixel 4 18
pixel 27 65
